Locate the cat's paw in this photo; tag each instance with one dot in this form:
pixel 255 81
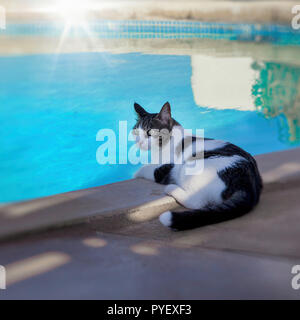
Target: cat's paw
pixel 170 188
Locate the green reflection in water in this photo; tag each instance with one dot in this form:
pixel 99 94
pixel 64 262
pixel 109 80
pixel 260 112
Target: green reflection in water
pixel 277 95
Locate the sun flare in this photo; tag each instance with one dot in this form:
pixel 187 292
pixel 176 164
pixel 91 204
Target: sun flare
pixel 74 14
pixel 72 11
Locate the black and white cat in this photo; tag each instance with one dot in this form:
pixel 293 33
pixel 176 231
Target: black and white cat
pixel 228 186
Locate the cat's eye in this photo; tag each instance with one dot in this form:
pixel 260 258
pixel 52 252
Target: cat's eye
pixel 149 132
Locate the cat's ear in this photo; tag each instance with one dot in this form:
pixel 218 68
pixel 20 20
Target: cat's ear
pixel 140 110
pixel 165 113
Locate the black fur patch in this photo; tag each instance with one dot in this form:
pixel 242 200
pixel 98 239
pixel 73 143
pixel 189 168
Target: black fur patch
pixel 162 174
pixel 244 177
pixel 186 142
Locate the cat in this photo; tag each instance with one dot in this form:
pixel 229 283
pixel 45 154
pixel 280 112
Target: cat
pixel 228 186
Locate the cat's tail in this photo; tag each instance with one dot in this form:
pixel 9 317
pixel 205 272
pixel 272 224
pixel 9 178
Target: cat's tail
pixel 191 219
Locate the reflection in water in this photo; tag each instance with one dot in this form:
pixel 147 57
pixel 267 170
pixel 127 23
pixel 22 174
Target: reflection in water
pixel 223 82
pixel 240 83
pixel 276 93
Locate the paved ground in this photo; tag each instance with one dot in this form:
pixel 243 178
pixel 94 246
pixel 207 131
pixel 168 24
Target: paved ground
pixel 81 263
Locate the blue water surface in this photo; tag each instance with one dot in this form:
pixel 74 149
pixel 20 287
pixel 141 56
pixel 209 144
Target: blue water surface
pixel 52 106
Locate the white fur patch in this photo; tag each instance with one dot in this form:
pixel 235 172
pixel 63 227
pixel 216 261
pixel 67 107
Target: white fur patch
pixel 142 139
pixel 166 218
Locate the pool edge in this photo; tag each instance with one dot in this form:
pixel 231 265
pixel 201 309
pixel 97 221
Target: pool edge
pixel 118 205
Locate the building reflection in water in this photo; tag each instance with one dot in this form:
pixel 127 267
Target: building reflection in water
pixel 241 83
pixel 276 94
pixel 223 82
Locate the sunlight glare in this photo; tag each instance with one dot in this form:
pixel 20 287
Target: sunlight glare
pixel 75 16
pixel 73 11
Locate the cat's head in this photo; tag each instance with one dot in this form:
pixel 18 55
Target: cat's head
pixel 153 128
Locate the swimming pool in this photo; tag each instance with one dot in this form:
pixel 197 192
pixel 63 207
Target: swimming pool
pixel 52 106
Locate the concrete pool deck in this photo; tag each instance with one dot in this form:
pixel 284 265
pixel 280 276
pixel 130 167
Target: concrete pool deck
pixel 109 240
pixel 83 263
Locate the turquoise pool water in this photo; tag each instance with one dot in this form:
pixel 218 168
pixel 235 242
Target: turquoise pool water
pixel 52 106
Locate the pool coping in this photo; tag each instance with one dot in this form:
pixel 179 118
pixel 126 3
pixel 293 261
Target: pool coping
pixel 32 45
pixel 125 203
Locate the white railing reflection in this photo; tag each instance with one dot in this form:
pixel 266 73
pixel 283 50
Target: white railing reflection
pixel 2 18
